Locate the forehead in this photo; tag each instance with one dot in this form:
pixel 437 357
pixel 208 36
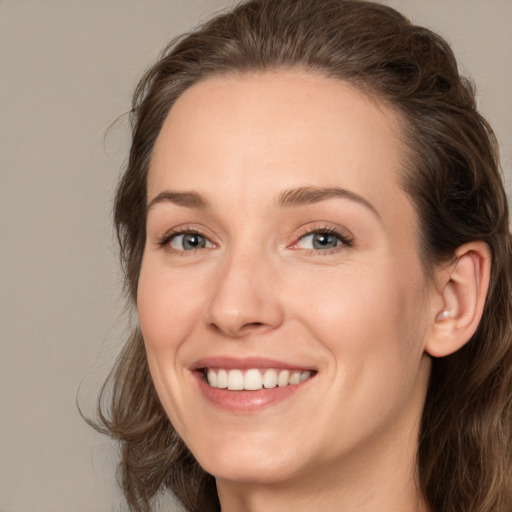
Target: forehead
pixel 253 134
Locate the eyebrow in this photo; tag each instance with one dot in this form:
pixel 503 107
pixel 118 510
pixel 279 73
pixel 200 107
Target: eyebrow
pixel 309 195
pixel 187 199
pixel 286 199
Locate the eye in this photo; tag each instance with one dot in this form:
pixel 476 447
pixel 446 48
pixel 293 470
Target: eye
pixel 188 241
pixel 322 240
pixel 318 241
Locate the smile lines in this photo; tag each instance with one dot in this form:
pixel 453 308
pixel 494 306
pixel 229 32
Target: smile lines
pixel 254 379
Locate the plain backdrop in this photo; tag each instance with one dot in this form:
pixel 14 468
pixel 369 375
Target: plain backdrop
pixel 68 68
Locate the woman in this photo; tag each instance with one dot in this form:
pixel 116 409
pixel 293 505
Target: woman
pixel 315 234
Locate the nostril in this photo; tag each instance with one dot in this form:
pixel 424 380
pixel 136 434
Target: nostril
pixel 253 326
pixel 239 330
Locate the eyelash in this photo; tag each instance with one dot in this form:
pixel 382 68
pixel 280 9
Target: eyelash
pixel 345 240
pixel 165 241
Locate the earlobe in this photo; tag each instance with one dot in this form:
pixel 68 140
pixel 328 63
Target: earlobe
pixel 462 288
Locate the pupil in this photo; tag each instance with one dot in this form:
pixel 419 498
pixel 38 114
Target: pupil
pixel 324 240
pixel 193 241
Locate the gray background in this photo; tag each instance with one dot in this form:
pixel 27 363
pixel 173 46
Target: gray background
pixel 67 70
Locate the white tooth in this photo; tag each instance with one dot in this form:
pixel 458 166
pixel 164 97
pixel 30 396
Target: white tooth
pixel 270 379
pixel 252 380
pixel 284 378
pixel 211 377
pixel 222 379
pixel 295 378
pixel 305 375
pixel 235 380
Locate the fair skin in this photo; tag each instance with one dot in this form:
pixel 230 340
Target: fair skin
pixel 279 239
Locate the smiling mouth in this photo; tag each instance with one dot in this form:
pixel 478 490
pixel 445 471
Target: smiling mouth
pixel 254 379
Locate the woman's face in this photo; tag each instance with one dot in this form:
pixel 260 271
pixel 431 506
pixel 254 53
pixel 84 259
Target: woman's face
pixel 282 255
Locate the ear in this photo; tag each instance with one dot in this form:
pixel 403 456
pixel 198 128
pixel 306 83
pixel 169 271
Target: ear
pixel 459 298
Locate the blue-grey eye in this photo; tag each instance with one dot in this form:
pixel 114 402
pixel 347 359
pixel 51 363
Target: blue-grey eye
pixel 325 241
pixel 319 240
pixel 189 242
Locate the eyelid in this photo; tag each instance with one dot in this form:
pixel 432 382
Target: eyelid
pixel 346 238
pixel 164 241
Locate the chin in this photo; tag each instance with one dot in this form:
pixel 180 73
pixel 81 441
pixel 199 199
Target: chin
pixel 249 461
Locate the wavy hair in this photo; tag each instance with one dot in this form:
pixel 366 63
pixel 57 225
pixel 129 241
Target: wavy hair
pixel 452 178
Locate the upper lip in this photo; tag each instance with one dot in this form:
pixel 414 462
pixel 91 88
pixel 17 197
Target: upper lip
pixel 245 363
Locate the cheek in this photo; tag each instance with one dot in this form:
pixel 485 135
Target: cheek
pixel 167 309
pixel 168 312
pixel 348 304
pixel 370 321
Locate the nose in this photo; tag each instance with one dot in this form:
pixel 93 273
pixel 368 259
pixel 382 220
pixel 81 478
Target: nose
pixel 245 298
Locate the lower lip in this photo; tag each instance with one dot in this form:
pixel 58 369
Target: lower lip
pixel 246 401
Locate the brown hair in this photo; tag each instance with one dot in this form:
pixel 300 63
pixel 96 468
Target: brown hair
pixel 452 177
